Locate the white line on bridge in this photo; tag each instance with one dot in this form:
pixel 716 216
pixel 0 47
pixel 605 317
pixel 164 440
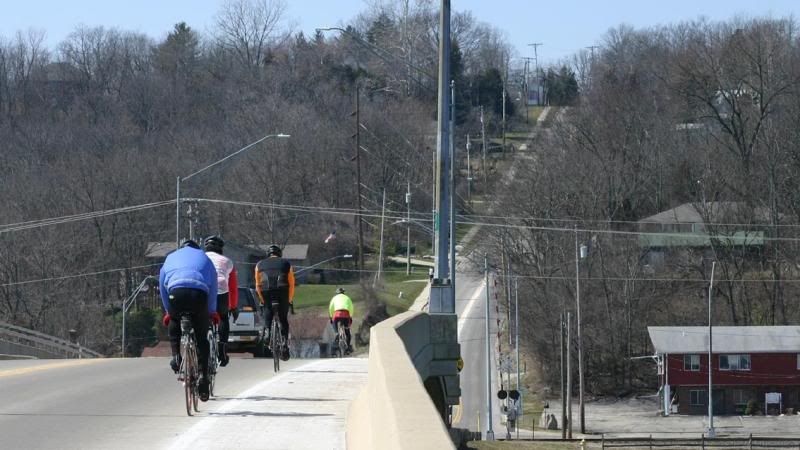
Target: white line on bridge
pixel 190 437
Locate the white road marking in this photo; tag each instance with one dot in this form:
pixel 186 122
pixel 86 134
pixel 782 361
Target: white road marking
pixel 468 308
pixel 190 437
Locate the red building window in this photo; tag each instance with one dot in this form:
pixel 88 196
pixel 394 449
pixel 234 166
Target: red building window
pixel 734 362
pixel 697 397
pixel 691 362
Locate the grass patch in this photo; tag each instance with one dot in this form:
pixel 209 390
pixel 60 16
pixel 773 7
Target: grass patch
pixel 318 296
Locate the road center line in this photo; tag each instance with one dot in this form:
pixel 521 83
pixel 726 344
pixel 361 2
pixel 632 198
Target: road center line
pixel 43 367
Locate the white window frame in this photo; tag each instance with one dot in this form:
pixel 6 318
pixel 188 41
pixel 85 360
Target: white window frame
pixel 701 397
pixel 694 363
pixel 738 366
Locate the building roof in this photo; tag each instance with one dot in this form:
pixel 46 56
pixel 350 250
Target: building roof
pixel 159 249
pixel 745 339
pixel 162 249
pixel 696 213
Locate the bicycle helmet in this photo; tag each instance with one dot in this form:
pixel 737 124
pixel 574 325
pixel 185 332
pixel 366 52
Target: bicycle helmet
pixel 214 244
pixel 274 250
pixel 189 243
pixel 340 291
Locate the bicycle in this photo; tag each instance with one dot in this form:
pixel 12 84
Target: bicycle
pixel 213 356
pixel 276 339
pixel 341 338
pixel 189 372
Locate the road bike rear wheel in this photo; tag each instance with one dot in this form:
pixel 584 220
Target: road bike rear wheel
pixel 195 374
pixel 185 372
pixel 213 361
pixel 342 339
pixel 276 343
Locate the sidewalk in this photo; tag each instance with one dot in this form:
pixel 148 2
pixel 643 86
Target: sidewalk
pixel 302 408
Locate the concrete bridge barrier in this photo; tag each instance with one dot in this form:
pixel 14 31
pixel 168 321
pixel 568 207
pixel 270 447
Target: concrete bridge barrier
pixel 412 377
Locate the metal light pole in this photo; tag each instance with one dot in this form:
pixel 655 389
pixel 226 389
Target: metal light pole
pixel 186 178
pixel 360 224
pixel 569 375
pixel 516 345
pixel 452 194
pixel 126 305
pixel 443 148
pixel 711 432
pixel 489 431
pixel 578 256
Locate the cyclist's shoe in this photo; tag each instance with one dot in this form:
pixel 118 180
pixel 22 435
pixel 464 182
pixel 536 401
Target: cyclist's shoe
pixel 285 353
pixel 175 364
pixel 349 350
pixel 202 388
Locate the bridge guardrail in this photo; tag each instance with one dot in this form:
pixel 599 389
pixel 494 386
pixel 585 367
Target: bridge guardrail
pixel 15 339
pixel 394 410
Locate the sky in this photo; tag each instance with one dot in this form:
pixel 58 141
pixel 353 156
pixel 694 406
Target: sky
pixel 562 26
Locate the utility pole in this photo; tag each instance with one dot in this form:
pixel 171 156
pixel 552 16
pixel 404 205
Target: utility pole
pixel 505 79
pixel 489 431
pixel 591 63
pixel 591 48
pixel 580 335
pixel 178 214
pixel 535 46
pixel 377 279
pixel 563 382
pixel 358 186
pixel 711 432
pixel 408 228
pixel 483 139
pixel 469 174
pixel 569 375
pixel 525 88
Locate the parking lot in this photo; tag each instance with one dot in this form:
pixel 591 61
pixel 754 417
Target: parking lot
pixel 641 417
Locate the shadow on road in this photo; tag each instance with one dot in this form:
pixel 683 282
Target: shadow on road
pixel 266 398
pixel 263 414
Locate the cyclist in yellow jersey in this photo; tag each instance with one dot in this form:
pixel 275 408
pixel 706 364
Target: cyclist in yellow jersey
pixel 341 310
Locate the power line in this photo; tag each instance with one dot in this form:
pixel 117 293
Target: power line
pixel 40 223
pixel 78 275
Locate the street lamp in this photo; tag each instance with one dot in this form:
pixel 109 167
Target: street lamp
pixel 345 256
pixel 178 187
pixel 128 302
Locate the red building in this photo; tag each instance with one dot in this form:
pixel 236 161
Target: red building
pixel 750 365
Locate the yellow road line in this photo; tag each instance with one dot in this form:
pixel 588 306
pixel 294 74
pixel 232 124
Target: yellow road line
pixel 43 367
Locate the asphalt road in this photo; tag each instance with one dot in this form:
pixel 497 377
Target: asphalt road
pixel 137 403
pixel 471 309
